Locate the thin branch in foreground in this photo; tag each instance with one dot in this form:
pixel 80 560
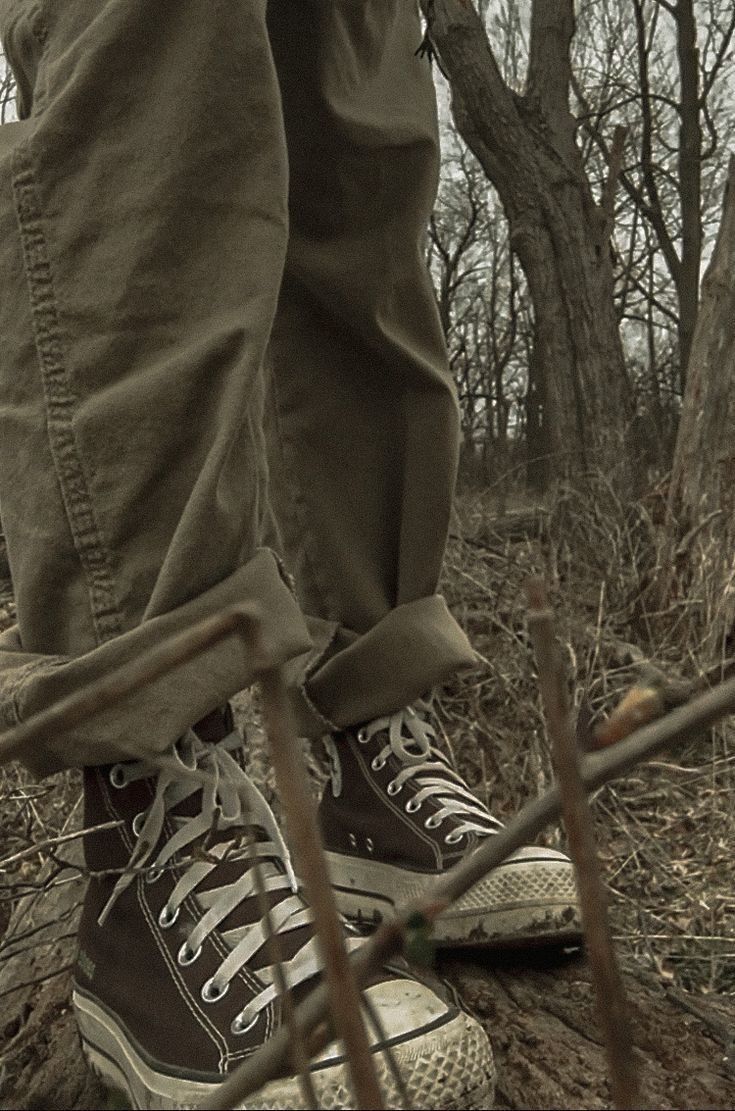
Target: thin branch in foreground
pixel 110 689
pixel 54 842
pixel 34 946
pixel 611 1000
pixel 175 650
pixel 301 821
pixel 299 1056
pixel 683 724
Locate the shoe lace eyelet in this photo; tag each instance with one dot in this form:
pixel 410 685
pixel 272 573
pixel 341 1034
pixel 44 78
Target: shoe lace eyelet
pixel 431 822
pixel 117 776
pixel 137 823
pixel 153 874
pixel 168 916
pixel 394 788
pixel 186 955
pixel 212 992
pixel 238 1026
pixel 362 736
pixel 453 838
pixel 412 806
pixel 377 764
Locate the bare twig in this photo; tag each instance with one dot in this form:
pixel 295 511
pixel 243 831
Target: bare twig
pixel 301 821
pixel 680 726
pixel 54 842
pixel 611 1001
pixel 112 688
pixel 33 946
pixel 299 1055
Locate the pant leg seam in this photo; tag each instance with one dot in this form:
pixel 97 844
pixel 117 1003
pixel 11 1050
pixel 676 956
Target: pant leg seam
pixel 61 403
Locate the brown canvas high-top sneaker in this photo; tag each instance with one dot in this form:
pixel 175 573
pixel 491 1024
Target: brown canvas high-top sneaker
pixel 396 815
pixel 173 986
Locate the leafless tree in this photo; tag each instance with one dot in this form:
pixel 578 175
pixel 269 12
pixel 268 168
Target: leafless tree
pixel 664 69
pixel 483 303
pixel 7 92
pixel 526 143
pixel 699 564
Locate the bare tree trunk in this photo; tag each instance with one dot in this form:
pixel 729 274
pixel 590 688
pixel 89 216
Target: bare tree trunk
pixel 690 180
pixel 701 540
pixel 526 145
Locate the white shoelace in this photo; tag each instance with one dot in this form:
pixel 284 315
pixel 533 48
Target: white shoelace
pixel 229 800
pixel 409 739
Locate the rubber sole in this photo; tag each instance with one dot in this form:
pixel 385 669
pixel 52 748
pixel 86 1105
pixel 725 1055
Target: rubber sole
pixel 525 901
pixel 450 1067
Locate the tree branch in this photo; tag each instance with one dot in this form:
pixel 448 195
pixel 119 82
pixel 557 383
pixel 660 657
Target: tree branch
pixel 683 724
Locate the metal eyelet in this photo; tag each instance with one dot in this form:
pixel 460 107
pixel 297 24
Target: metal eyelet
pixel 137 823
pixel 394 788
pixel 186 955
pixel 117 776
pixel 352 840
pixel 212 992
pixel 369 845
pixel 238 1027
pixel 412 806
pixel 376 764
pixel 431 822
pixel 362 736
pixel 453 838
pixel 168 916
pixel 153 874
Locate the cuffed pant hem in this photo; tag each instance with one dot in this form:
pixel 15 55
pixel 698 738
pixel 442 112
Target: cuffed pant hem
pixel 415 647
pixel 151 719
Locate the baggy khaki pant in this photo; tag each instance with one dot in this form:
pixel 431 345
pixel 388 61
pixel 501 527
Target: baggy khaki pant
pixel 218 341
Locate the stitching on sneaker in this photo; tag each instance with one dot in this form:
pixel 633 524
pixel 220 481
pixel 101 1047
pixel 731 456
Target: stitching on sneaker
pixel 199 1016
pixel 228 800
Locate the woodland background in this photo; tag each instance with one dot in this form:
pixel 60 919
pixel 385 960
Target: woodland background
pixel 583 251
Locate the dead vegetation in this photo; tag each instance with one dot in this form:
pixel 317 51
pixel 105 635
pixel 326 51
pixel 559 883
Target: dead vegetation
pixel 663 832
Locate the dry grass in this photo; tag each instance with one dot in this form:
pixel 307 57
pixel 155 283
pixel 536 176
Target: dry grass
pixel 665 832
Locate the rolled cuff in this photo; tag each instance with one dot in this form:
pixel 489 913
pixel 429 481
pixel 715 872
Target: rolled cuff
pixel 415 647
pixel 157 715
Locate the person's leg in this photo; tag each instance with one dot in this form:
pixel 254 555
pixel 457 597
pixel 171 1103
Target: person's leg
pixel 364 415
pixel 365 434
pixel 143 229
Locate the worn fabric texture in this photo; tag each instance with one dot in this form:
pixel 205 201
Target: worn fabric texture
pixel 220 342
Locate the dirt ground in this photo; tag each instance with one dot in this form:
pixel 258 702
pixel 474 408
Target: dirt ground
pixel 538 1010
pixel 665 837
